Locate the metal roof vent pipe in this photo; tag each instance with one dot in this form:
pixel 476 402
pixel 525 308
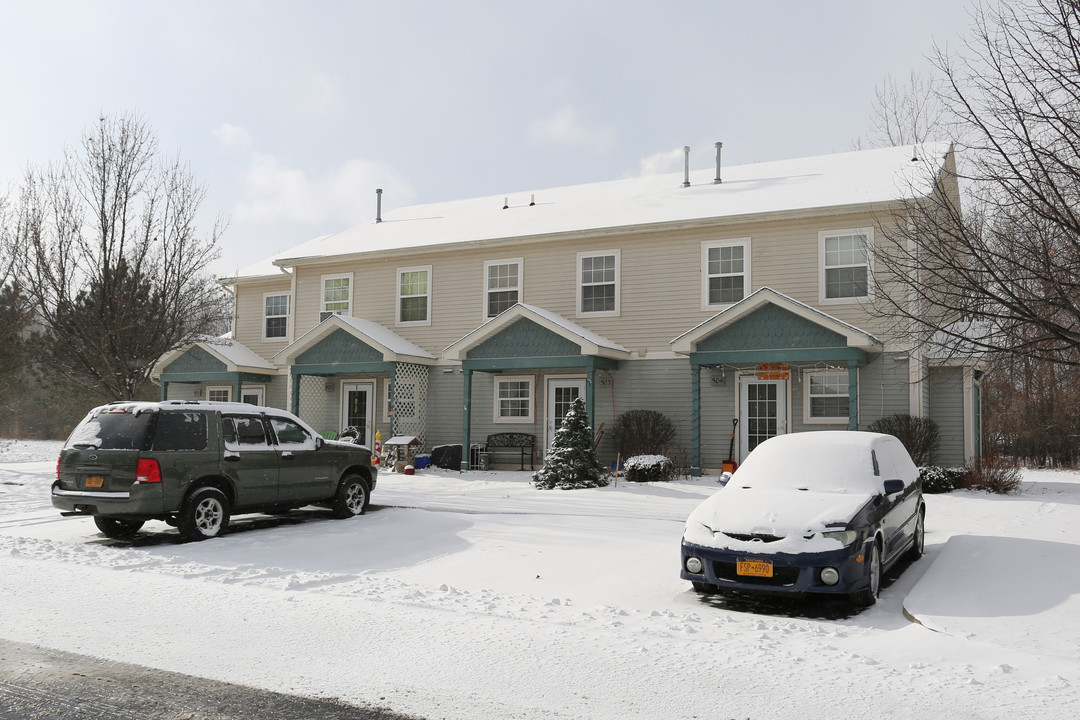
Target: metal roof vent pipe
pixel 686 166
pixel 378 205
pixel 719 147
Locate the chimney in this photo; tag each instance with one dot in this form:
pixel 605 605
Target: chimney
pixel 686 166
pixel 378 205
pixel 719 147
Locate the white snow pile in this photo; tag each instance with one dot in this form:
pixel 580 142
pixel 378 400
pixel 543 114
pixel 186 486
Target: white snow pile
pixel 474 595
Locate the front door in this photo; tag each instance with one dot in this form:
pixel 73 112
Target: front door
pixel 358 408
pixel 562 392
pixel 762 412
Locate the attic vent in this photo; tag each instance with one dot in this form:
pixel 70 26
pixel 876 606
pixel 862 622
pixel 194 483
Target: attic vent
pixel 717 180
pixel 378 205
pixel 323 316
pixel 686 166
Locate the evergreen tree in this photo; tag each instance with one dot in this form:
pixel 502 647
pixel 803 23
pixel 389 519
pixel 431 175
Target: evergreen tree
pixel 571 462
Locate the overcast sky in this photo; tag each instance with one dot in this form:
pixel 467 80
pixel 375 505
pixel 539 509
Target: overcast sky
pixel 292 113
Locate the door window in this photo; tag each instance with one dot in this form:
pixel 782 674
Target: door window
pixel 763 411
pixel 561 395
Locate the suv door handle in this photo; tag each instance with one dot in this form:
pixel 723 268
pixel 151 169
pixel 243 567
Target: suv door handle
pixel 287 455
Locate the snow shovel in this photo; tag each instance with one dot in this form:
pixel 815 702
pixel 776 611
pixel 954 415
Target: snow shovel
pixel 730 465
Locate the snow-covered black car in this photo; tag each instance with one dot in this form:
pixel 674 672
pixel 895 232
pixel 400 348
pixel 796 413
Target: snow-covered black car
pixel 194 464
pixel 814 512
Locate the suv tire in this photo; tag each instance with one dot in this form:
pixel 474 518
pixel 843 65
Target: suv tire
pixel 205 514
pixel 116 528
pixel 351 498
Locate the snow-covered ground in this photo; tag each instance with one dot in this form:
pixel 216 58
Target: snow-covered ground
pixel 477 596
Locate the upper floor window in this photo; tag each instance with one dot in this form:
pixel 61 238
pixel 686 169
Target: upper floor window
pixel 726 273
pixel 598 282
pixel 414 295
pixel 845 264
pixel 276 316
pixel 336 294
pixel 826 396
pixel 502 286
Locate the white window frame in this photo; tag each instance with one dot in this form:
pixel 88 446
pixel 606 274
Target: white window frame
pixel 217 388
pixel 708 245
pixel 397 312
pixel 497 415
pixel 487 289
pixel 868 233
pixel 347 312
pixel 581 285
pixel 808 418
pixel 287 316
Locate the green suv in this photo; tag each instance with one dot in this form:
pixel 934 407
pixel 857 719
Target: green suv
pixel 194 464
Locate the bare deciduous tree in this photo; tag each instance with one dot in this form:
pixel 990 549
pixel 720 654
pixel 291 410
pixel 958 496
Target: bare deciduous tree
pixel 908 114
pixel 1004 270
pixel 109 252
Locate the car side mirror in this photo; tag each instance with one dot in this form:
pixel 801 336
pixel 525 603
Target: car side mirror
pixel 894 486
pixel 319 442
pixel 724 477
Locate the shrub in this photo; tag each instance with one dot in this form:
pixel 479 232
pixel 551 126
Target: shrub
pixel 941 479
pixel 919 435
pixel 649 468
pixel 994 473
pixel 642 432
pixel 571 461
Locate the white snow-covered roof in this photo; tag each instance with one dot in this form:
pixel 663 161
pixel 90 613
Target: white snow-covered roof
pixel 591 343
pixel 849 179
pixel 236 356
pixel 389 343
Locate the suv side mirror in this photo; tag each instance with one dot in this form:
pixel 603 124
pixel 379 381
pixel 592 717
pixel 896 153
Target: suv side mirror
pixel 894 486
pixel 319 442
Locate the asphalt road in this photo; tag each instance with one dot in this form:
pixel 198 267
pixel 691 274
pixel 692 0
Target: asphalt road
pixel 37 683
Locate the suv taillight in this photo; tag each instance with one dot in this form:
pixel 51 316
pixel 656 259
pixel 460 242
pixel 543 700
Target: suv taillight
pixel 147 471
pixel 57 467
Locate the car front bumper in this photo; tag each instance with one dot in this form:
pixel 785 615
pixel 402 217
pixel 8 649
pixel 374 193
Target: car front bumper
pixel 792 573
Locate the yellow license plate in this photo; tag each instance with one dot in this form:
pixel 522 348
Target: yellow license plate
pixel 95 481
pixel 755 568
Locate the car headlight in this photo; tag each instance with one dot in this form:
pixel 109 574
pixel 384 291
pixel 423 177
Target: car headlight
pixel 846 537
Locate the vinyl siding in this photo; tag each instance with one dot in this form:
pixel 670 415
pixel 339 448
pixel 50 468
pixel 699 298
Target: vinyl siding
pixel 883 389
pixel 248 321
pixel 947 410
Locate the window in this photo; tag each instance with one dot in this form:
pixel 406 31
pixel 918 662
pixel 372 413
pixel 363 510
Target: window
pixel 244 432
pixel 276 316
pixel 826 396
pixel 180 431
pixel 513 399
pixel 219 394
pixel 598 275
pixel 252 395
pixel 414 295
pixel 337 294
pixel 291 435
pixel 502 286
pixel 846 264
pixel 726 275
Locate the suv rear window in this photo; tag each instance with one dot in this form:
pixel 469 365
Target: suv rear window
pixel 180 431
pixel 112 430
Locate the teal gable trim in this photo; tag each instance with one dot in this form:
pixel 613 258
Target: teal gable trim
pixel 753 357
pixel 341 368
pixel 194 360
pixel 524 339
pixel 771 328
pixel 339 347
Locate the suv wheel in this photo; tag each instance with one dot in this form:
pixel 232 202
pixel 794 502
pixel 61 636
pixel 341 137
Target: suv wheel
pixel 205 514
pixel 117 529
pixel 351 498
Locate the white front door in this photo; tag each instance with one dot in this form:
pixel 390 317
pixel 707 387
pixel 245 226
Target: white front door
pixel 561 394
pixel 252 395
pixel 762 412
pixel 358 408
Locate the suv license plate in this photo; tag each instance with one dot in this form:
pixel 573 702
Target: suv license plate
pixel 95 481
pixel 755 568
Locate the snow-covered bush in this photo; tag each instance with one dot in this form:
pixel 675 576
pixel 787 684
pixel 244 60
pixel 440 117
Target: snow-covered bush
pixel 937 479
pixel 649 468
pixel 571 461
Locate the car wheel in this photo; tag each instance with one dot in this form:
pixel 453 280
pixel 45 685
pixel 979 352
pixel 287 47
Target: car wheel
pixel 704 588
pixel 118 529
pixel 205 514
pixel 351 498
pixel 869 595
pixel 919 539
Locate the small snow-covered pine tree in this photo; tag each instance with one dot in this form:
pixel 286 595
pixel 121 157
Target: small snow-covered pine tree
pixel 571 462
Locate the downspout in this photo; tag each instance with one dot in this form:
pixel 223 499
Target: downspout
pixel 695 418
pixel 466 418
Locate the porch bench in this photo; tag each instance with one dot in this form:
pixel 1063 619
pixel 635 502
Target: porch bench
pixel 514 444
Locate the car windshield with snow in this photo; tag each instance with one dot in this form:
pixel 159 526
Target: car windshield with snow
pixel 809 513
pixel 195 464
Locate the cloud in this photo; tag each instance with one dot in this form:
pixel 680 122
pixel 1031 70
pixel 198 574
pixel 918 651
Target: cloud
pixel 232 136
pixel 274 192
pixel 565 127
pixel 662 163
